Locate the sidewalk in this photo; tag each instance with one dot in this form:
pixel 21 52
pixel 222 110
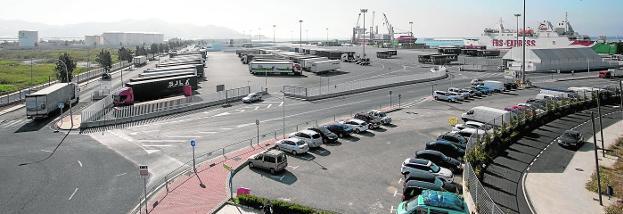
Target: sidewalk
pixel 185 194
pixel 565 192
pixel 65 122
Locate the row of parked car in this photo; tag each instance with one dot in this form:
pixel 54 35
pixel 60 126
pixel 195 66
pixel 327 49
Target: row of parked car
pixel 479 88
pixel 301 142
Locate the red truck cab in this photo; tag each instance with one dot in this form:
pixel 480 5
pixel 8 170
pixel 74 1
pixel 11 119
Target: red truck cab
pixel 605 74
pixel 123 97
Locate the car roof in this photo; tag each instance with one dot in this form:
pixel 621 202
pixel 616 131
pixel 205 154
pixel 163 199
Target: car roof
pixel 293 139
pixel 424 184
pixel 421 176
pixel 474 123
pixel 433 152
pixel 308 132
pixel 274 152
pixel 357 120
pixel 419 161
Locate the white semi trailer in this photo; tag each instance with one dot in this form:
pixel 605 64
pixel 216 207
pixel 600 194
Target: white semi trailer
pixel 325 66
pixel 139 61
pixel 307 63
pixel 274 67
pixel 41 103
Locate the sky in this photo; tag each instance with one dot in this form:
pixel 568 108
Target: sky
pixel 432 18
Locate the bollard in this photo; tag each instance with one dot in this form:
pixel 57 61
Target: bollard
pixel 224 153
pixel 166 183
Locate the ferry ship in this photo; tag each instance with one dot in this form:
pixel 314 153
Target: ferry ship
pixel 546 35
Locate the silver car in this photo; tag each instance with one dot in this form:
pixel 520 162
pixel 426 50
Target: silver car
pixel 272 160
pixel 293 145
pixel 252 97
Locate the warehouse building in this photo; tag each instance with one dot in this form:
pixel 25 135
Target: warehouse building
pixel 28 38
pixel 555 59
pixel 116 39
pixel 93 41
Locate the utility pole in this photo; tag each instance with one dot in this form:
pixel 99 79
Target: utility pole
pixel 523 47
pixel 274 26
pixel 364 11
pixel 259 34
pixel 596 160
pixel 327 35
pixel 300 34
pixel 517 15
pixel 601 127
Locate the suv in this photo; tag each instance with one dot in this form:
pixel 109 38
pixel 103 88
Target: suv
pixel 373 122
pixel 382 115
pixel 272 160
pixel 442 95
pixel 312 138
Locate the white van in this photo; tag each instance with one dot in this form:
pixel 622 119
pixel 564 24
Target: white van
pixel 487 115
pixel 495 86
pixel 559 93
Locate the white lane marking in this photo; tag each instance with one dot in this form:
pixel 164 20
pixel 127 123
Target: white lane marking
pixel 72 194
pixel 9 124
pixel 160 141
pixel 184 136
pixel 399 181
pixel 208 132
pixel 45 150
pixel 244 125
pixel 154 145
pixel 391 209
pixel 122 174
pixel 280 104
pixel 221 114
pixel 149 151
pixel 256 108
pixel 269 105
pixel 80 163
pixel 317 110
pixel 226 128
pixel 122 136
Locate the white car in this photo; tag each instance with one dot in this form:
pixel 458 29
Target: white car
pixel 357 125
pixel 293 145
pixel 469 124
pixel 442 95
pixel 252 97
pixel 463 95
pixel 469 132
pixel 385 119
pixel 312 138
pixel 457 95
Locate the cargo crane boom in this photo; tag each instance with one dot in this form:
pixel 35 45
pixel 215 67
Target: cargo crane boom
pixel 390 29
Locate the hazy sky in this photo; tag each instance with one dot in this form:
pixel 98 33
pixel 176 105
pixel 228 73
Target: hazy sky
pixel 440 18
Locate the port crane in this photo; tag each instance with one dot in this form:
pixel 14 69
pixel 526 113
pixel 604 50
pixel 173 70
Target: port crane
pixel 390 29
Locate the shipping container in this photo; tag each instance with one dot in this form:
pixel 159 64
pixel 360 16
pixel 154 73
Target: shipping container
pixel 153 89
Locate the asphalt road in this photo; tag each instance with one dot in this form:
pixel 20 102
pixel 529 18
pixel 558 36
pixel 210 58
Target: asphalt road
pixel 82 176
pixel 163 143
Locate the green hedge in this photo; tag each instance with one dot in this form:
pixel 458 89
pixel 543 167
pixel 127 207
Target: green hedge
pixel 278 206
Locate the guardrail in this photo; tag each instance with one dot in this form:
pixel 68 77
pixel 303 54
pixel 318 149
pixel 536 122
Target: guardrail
pixel 102 113
pixel 79 78
pixel 352 87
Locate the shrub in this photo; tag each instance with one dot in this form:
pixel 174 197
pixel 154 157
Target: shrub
pixel 278 206
pixel 252 201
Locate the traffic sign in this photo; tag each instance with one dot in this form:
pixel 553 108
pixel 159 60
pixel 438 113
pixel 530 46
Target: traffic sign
pixel 193 142
pixel 453 121
pixel 143 171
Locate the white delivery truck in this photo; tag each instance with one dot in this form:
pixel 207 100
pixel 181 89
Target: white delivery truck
pixel 324 66
pixel 276 67
pixel 495 86
pixel 487 115
pixel 41 103
pixel 558 93
pixel 139 61
pixel 307 63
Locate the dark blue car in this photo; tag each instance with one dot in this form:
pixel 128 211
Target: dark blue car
pixel 447 148
pixel 340 130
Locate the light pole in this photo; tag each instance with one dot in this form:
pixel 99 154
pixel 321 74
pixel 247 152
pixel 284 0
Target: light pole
pixel 274 26
pixel 300 34
pixel 259 34
pixel 327 35
pixel 364 11
pixel 523 47
pixel 596 159
pixel 411 31
pixel 71 115
pixel 517 15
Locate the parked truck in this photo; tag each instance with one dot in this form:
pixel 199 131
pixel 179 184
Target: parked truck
pixel 154 89
pixel 139 61
pixel 487 115
pixel 169 67
pixel 277 67
pixel 159 75
pixel 307 63
pixel 41 103
pixel 325 66
pixel 611 73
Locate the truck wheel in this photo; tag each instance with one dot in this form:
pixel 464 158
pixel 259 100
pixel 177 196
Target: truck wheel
pixel 251 165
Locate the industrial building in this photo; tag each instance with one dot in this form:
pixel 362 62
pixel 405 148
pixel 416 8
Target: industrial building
pixel 28 38
pixel 566 59
pixel 115 39
pixel 93 41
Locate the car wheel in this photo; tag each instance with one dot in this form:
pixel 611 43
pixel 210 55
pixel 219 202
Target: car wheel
pixel 294 152
pixel 251 165
pixel 356 131
pixel 340 135
pixel 272 171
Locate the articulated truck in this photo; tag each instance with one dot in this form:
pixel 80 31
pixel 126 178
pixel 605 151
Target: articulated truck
pixel 41 103
pixel 151 89
pixel 324 66
pixel 198 67
pixel 275 67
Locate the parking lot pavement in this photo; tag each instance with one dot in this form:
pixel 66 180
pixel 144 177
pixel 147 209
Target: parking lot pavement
pixel 361 174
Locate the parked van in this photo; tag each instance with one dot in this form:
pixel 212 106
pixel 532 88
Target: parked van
pixel 271 160
pixel 495 86
pixel 487 115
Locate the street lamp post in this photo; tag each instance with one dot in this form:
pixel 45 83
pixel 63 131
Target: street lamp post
pixel 67 76
pixel 517 15
pixel 364 11
pixel 523 47
pixel 411 32
pixel 274 26
pixel 327 35
pixel 300 34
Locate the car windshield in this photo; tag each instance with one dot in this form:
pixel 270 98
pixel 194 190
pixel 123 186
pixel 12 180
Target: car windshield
pixel 382 114
pixel 300 143
pixel 571 135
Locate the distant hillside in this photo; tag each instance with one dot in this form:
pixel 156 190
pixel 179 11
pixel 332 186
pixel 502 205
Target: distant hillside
pixel 9 28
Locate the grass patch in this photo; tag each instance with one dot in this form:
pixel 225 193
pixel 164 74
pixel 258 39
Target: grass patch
pixel 15 75
pixel 611 176
pixel 50 56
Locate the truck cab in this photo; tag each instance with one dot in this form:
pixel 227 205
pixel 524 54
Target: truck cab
pixel 123 97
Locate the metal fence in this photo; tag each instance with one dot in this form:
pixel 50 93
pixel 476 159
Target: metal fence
pixel 79 78
pixel 359 85
pixel 102 112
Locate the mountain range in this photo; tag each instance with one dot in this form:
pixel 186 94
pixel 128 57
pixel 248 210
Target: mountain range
pixel 9 28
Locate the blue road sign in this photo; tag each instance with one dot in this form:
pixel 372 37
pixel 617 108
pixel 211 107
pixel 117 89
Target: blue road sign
pixel 193 142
